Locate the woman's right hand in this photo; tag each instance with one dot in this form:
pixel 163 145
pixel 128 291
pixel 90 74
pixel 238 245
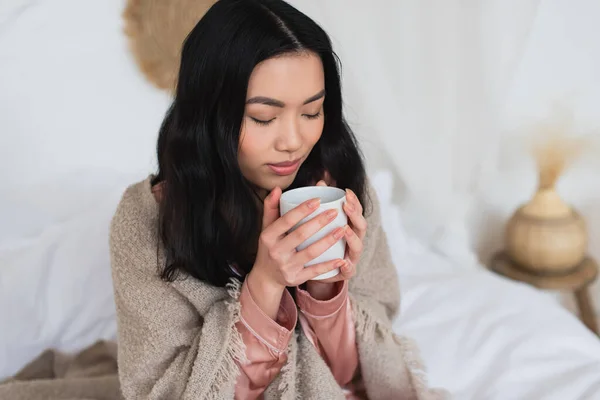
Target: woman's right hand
pixel 278 264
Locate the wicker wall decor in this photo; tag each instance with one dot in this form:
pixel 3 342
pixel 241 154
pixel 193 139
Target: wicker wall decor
pixel 156 30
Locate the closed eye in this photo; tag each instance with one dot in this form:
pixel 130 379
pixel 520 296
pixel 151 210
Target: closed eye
pixel 262 122
pixel 313 116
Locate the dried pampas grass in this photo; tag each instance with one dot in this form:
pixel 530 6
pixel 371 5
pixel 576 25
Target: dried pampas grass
pixel 555 146
pixel 156 30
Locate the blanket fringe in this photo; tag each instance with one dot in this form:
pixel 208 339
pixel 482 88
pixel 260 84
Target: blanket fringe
pixel 287 386
pixel 236 353
pixel 416 369
pixel 237 349
pixel 367 327
pixel 234 288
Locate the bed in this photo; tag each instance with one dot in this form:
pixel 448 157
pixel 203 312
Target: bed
pixel 76 138
pixel 481 336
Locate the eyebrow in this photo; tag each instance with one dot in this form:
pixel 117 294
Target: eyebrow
pixel 278 103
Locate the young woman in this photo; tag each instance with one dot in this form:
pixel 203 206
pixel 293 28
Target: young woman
pixel 212 299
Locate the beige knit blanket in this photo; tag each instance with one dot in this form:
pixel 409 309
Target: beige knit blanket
pixel 178 339
pixel 89 374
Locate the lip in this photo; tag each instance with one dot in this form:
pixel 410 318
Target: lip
pixel 285 168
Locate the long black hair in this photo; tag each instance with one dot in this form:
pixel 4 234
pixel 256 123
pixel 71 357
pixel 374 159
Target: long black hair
pixel 209 215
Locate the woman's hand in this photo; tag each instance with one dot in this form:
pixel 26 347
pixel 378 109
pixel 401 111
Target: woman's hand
pixel 278 264
pixel 354 233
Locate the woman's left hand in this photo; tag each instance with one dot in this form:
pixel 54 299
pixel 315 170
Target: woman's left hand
pixel 355 233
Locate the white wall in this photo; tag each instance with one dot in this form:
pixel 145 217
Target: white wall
pixel 75 113
pixel 448 88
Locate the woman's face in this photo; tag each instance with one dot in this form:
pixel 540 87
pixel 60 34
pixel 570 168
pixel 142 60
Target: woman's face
pixel 283 119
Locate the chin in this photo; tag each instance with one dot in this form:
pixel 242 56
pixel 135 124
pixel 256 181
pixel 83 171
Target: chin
pixel 282 181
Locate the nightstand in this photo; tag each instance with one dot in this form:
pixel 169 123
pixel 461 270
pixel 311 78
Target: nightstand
pixel 577 281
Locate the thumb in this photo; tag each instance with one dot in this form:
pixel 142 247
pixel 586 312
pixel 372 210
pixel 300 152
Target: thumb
pixel 271 207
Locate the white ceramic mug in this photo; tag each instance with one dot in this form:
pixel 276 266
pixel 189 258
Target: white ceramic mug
pixel 331 198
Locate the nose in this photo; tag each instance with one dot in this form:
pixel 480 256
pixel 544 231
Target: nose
pixel 289 139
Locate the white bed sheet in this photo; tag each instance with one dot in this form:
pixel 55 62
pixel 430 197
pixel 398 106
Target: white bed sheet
pixel 483 337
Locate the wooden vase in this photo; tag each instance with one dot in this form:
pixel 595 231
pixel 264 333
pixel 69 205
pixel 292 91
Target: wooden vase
pixel 546 235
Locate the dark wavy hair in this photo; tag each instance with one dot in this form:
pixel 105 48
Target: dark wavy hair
pixel 209 213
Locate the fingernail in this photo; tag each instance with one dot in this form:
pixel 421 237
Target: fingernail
pixel 331 214
pixel 314 203
pixel 338 233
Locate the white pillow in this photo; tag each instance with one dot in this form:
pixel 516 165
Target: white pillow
pixel 56 287
pixel 411 227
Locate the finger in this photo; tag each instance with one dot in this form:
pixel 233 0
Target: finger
pixel 359 223
pixel 353 199
pixel 313 271
pixel 291 218
pixel 355 245
pixel 321 183
pixel 271 207
pixel 319 247
pixel 328 179
pixel 347 271
pixel 307 229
